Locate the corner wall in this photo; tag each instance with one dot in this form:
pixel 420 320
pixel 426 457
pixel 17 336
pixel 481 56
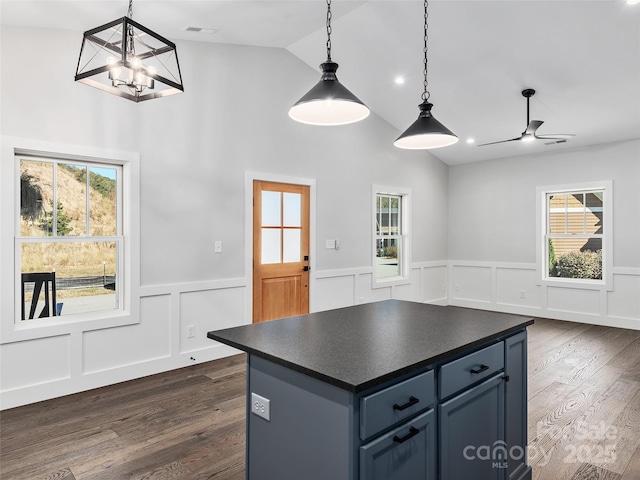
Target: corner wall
pixel 492 235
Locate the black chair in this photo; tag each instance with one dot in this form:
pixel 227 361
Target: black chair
pixel 48 280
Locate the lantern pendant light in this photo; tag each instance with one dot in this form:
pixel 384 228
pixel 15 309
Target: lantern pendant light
pixel 129 60
pixel 426 132
pixel 329 102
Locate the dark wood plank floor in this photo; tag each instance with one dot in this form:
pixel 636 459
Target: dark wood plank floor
pixel 584 418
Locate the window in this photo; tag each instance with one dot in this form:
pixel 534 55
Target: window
pixel 390 258
pixel 577 233
pixel 70 223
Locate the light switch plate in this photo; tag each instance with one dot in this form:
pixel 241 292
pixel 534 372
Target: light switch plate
pixel 261 406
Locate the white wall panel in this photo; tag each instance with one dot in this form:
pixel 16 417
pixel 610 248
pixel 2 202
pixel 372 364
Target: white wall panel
pixel 334 292
pixel 22 365
pixel 206 311
pixel 367 294
pixel 573 300
pixel 624 301
pixel 517 286
pixel 116 347
pixel 471 283
pixel 434 283
pixel 410 291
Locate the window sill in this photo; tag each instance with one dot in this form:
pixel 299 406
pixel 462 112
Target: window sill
pixel 576 283
pixel 54 326
pixel 390 282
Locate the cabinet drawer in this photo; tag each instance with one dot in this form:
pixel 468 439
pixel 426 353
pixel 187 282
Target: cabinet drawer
pixel 461 373
pixel 408 452
pixel 387 407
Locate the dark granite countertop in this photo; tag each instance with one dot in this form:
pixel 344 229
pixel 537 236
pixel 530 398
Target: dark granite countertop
pixel 359 347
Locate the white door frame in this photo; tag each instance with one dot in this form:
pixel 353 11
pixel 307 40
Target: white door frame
pixel 250 176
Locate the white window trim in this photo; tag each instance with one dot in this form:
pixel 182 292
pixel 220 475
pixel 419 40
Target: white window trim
pixel 12 331
pixel 606 284
pixel 405 260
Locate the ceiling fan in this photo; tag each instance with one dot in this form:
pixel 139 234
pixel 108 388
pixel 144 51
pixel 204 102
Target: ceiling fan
pixel 532 126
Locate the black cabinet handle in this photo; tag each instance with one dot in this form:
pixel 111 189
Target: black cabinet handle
pixel 481 369
pixel 412 401
pixel 413 431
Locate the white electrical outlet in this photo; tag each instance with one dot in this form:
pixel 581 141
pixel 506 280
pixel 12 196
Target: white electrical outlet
pixel 261 406
pixel 523 294
pixel 217 246
pixel 191 331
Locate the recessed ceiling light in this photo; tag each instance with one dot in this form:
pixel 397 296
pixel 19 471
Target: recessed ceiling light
pixel 633 2
pixel 206 31
pixel 399 80
pixel 471 140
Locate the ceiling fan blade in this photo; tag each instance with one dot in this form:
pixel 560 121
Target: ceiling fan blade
pixel 556 136
pixel 501 141
pixel 533 126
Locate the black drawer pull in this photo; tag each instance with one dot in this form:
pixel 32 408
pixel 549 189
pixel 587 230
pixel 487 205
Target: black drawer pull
pixel 412 401
pixel 413 431
pixel 481 369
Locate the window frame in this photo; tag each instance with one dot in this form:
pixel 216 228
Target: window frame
pixel 542 255
pixel 404 260
pixel 12 327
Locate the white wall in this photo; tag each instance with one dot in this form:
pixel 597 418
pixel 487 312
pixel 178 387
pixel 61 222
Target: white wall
pixel 492 234
pixel 195 149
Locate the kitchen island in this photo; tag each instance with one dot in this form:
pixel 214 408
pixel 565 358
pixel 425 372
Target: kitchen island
pixel 388 390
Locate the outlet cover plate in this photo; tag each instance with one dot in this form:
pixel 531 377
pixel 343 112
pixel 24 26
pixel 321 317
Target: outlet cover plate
pixel 261 406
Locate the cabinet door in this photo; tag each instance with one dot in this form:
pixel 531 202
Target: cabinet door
pixel 472 433
pixel 516 404
pixel 408 452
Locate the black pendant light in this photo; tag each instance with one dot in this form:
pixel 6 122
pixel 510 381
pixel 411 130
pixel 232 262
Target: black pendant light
pixel 129 60
pixel 329 102
pixel 426 132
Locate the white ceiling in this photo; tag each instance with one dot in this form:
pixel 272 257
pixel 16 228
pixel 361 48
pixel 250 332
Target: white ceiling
pixel 582 57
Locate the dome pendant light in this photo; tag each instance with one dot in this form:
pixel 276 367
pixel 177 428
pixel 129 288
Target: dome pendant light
pixel 426 132
pixel 329 102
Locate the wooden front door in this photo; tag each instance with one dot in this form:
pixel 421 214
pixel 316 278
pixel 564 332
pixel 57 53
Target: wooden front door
pixel 280 250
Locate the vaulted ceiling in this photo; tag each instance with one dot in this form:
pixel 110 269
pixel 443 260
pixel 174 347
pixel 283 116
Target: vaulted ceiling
pixel 581 57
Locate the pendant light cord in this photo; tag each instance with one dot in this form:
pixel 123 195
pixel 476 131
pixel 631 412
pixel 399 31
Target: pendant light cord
pixel 329 30
pixel 425 94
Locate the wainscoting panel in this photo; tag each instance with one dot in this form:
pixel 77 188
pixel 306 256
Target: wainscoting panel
pixel 472 283
pixel 335 291
pixel 586 302
pixel 367 294
pixel 434 283
pixel 624 301
pixel 33 371
pixel 207 310
pixel 517 286
pixel 120 346
pixel 513 288
pixel 409 291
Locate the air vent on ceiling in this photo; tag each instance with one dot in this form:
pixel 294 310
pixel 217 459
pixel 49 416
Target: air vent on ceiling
pixel 206 31
pixel 562 140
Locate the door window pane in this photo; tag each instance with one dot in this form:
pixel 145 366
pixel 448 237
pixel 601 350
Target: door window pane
pixel 271 247
pixel 291 245
pixel 292 210
pixel 271 209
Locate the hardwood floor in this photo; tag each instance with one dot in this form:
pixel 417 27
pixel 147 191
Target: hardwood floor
pixel 584 418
